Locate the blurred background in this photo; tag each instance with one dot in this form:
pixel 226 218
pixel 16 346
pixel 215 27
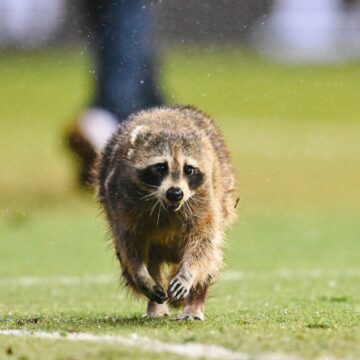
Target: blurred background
pixel 265 60
pixel 282 80
pixel 280 77
pixel 286 29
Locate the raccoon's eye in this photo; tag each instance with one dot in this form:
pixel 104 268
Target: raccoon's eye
pixel 160 168
pixel 189 170
pixel 153 174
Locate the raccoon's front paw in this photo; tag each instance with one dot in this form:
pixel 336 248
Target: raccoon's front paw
pixel 157 294
pixel 179 287
pixel 152 291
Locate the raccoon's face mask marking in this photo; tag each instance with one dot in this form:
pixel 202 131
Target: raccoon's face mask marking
pixel 172 183
pixel 153 175
pixel 194 175
pixel 168 167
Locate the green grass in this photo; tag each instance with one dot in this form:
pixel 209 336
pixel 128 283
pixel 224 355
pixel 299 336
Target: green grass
pixel 294 134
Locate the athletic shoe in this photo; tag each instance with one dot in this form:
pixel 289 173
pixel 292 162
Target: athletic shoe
pixel 88 137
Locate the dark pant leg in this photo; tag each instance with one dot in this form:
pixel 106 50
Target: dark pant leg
pixel 120 33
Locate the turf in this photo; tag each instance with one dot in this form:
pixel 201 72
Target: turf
pixel 294 135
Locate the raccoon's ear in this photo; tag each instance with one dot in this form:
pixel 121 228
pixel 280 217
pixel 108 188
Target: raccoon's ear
pixel 134 135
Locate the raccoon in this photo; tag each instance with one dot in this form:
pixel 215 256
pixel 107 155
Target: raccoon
pixel 166 183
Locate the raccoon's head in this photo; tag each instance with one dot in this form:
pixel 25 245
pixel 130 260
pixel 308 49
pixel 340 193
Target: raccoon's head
pixel 169 168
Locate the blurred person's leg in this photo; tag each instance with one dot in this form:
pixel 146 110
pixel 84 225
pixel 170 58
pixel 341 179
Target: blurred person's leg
pixel 125 72
pixel 119 34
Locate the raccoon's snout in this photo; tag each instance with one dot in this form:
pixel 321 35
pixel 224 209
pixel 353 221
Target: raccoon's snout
pixel 174 194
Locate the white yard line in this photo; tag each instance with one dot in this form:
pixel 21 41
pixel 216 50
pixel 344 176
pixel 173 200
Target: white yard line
pixel 291 274
pixel 189 350
pixel 58 280
pixel 69 280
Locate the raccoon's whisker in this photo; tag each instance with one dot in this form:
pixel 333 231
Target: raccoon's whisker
pixel 150 199
pixel 196 202
pixel 152 186
pixel 191 211
pixel 192 201
pixel 195 211
pixel 188 210
pixel 152 194
pixel 158 217
pixel 198 199
pixel 154 206
pixel 178 214
pixel 198 196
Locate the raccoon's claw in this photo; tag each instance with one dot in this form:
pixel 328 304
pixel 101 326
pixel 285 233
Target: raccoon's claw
pixel 190 317
pixel 157 295
pixel 152 291
pixel 179 288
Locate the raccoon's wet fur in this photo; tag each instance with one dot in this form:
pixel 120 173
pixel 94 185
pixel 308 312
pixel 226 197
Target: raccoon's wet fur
pixel 167 185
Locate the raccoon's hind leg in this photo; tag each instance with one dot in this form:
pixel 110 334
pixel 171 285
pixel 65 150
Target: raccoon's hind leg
pixel 155 310
pixel 194 307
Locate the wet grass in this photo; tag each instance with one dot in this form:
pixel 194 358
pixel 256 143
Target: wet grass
pixel 295 250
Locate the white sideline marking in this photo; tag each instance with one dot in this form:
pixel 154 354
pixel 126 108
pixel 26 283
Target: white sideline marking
pixel 191 350
pixel 225 276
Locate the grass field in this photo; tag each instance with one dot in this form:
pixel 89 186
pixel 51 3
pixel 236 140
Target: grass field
pixel 292 282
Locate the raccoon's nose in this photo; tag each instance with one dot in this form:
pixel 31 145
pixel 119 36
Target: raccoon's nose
pixel 174 194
